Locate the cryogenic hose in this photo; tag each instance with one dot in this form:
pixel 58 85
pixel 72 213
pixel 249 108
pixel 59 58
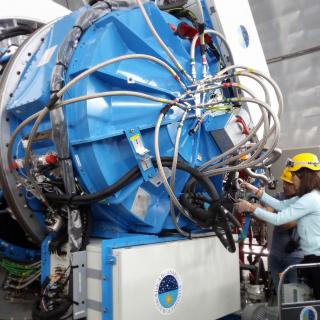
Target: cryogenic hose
pixel 173 174
pixel 246 139
pixel 118 59
pixel 258 176
pixel 162 174
pixel 201 30
pixel 120 93
pixel 249 164
pixel 236 157
pixel 261 74
pixel 160 167
pixel 75 80
pixel 129 177
pixel 237 146
pixel 13 137
pixel 193 46
pixel 258 146
pixel 242 142
pixel 83 75
pixel 168 187
pixel 268 79
pixel 276 154
pixel 162 44
pixel 46 110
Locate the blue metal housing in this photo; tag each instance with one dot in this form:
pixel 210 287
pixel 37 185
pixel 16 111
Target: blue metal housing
pixel 17 253
pixel 11 251
pixel 100 131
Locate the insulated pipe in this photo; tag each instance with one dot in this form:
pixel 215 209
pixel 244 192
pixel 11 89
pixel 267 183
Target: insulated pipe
pixel 162 175
pixel 37 192
pixel 201 30
pixel 261 74
pixel 27 160
pixel 161 171
pixel 271 81
pixel 230 151
pixel 245 165
pixel 162 44
pixel 232 159
pixel 160 167
pixel 83 75
pixel 118 59
pixel 258 176
pixel 275 155
pixel 173 174
pixel 193 45
pixel 242 142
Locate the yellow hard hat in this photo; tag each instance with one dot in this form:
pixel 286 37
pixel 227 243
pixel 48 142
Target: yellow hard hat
pixel 303 160
pixel 286 176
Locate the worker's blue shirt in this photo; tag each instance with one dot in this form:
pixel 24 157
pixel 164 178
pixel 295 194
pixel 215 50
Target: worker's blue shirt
pixel 281 237
pixel 305 210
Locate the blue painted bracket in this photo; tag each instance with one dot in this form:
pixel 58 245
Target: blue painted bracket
pixel 45 258
pixel 16 253
pixel 141 153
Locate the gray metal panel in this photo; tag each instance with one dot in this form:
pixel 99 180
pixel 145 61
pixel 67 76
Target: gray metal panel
pixel 299 79
pixel 286 26
pixel 209 275
pixel 79 266
pixel 72 4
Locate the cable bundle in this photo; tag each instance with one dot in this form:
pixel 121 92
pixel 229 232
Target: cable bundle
pixel 20 275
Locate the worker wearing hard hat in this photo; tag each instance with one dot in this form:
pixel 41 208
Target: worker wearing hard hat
pixel 285 250
pixel 304 208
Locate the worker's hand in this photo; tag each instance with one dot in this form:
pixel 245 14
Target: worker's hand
pixel 248 186
pixel 245 206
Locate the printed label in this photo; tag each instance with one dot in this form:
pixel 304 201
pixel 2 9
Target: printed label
pixel 308 313
pixel 167 292
pixel 244 36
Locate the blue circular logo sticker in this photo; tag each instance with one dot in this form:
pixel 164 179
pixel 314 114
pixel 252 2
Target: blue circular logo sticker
pixel 308 313
pixel 244 36
pixel 167 292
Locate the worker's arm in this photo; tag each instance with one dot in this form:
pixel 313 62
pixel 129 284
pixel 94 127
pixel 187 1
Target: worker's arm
pixel 295 211
pixel 289 225
pixel 277 205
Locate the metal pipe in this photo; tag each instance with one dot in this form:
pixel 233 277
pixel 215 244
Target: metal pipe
pixel 258 176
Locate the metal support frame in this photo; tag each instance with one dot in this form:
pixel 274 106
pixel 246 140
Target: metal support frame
pixel 312 306
pixel 13 194
pixel 45 258
pixel 79 275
